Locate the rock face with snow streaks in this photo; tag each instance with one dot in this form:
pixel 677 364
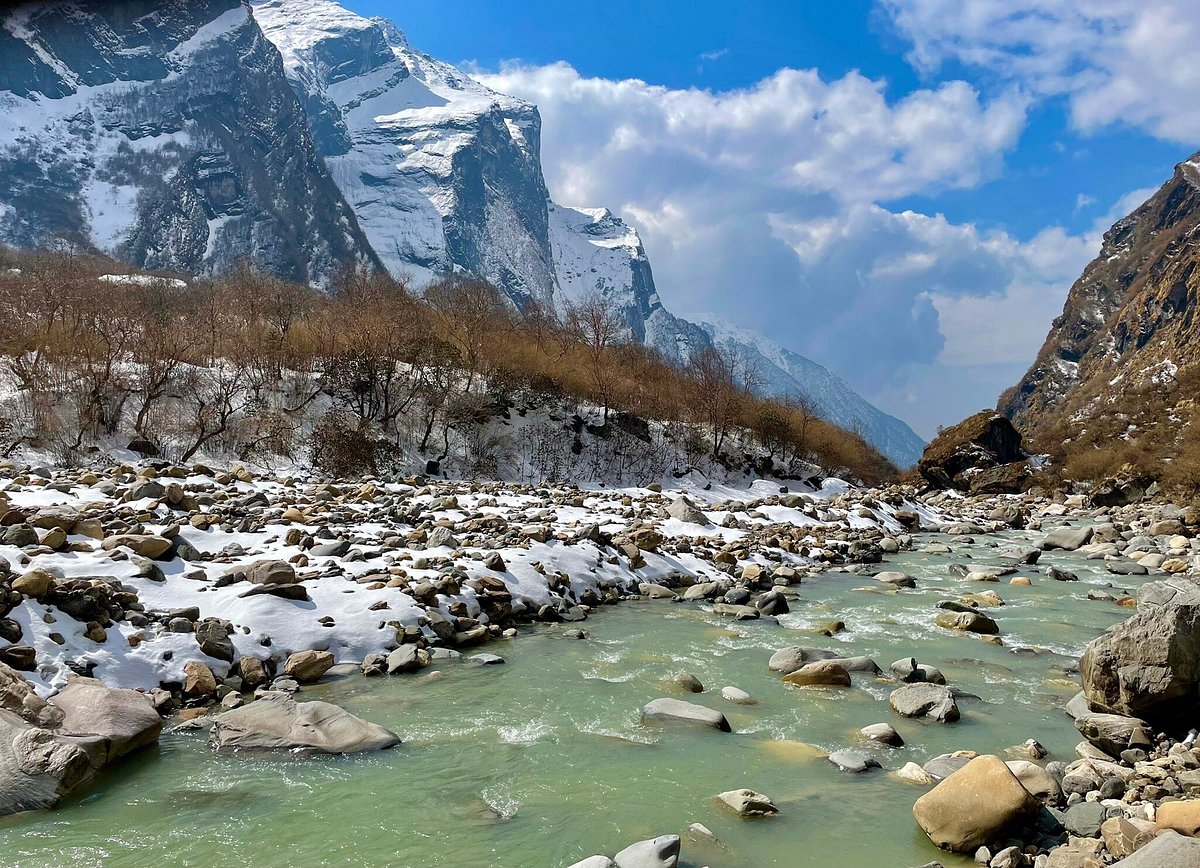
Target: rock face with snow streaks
pixel 162 133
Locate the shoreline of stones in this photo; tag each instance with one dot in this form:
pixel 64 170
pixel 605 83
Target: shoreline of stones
pixel 742 588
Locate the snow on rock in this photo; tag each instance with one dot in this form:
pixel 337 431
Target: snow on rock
pixel 514 552
pixel 143 280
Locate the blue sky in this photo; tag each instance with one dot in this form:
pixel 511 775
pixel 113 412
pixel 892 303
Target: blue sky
pixel 901 189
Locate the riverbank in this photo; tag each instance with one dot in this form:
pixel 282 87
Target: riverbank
pixel 814 558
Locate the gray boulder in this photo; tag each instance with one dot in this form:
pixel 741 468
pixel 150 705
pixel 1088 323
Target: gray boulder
pixel 934 701
pixel 853 761
pixel 1175 590
pixel 748 803
pixel 276 722
pixel 660 852
pixel 1067 539
pixel 684 510
pixel 124 720
pixel 1168 849
pixel 1148 666
pixel 666 710
pixel 1114 733
pixel 403 660
pixel 270 572
pixel 38 767
pixel 213 639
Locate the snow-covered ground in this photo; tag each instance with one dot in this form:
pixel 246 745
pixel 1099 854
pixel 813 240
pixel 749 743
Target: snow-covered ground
pixel 555 544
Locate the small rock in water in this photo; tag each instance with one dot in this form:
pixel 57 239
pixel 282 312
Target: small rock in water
pixel 852 761
pixel 688 682
pixel 915 774
pixel 819 673
pixel 748 803
pixel 883 733
pixel 737 695
pixel 486 659
pixel 666 710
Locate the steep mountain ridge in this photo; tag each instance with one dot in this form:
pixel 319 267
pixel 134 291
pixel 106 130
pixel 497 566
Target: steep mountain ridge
pixel 162 131
pixel 1129 325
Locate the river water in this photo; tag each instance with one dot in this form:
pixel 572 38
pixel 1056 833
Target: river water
pixel 542 761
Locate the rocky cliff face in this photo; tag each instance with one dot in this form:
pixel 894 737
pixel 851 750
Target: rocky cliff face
pixel 443 174
pixel 162 132
pixel 1130 321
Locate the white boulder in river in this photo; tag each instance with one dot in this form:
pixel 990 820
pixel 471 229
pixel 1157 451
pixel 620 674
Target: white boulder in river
pixel 278 722
pixel 660 852
pixel 667 710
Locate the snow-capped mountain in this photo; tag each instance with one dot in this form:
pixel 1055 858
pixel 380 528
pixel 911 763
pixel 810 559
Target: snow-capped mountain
pixel 165 132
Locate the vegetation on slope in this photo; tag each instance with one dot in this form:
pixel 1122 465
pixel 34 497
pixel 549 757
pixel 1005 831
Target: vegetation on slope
pixel 254 367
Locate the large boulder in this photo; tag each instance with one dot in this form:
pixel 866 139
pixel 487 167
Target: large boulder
pixel 17 695
pixel 123 719
pixel 1067 539
pixel 960 456
pixel 1114 733
pixel 976 805
pixel 1169 849
pixel 37 767
pixel 1148 666
pixel 683 509
pixel 925 700
pixel 667 710
pixel 268 572
pixel 276 722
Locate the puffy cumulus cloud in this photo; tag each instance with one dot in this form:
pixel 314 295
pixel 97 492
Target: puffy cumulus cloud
pixel 1118 61
pixel 792 130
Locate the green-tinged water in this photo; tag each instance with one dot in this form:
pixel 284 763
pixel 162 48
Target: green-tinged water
pixel 542 761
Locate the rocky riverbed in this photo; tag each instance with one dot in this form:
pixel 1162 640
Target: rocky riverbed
pixel 866 643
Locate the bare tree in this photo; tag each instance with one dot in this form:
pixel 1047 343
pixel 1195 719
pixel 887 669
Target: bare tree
pixel 598 327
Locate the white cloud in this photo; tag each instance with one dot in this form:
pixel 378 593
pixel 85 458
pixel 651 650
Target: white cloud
pixel 1135 62
pixel 792 130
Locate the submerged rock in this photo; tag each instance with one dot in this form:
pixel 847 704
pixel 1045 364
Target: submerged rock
pixel 748 803
pixel 276 722
pixel 666 710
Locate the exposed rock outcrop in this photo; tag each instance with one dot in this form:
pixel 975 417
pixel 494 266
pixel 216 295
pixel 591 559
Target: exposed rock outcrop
pixel 981 454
